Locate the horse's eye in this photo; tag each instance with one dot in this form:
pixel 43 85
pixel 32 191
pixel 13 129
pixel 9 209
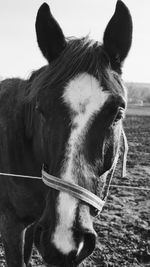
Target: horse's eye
pixel 94 212
pixel 120 114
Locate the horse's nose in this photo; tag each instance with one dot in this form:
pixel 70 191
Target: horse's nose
pixel 86 244
pixel 85 241
pixel 66 245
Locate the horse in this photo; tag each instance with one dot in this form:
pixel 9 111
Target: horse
pixel 63 123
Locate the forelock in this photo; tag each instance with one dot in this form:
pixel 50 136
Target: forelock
pixel 79 56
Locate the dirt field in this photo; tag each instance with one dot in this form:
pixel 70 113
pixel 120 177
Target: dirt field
pixel 124 226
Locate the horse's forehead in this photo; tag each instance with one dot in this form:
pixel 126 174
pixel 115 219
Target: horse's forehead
pixel 85 93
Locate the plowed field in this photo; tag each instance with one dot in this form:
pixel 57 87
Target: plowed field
pixel 124 225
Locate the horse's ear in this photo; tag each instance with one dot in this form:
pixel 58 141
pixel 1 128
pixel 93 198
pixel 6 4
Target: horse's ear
pixel 118 35
pixel 49 34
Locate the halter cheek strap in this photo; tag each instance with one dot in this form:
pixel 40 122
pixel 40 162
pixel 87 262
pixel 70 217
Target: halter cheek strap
pixel 109 174
pixel 125 151
pixel 108 178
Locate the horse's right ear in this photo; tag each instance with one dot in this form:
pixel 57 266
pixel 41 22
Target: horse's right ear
pixel 50 37
pixel 118 36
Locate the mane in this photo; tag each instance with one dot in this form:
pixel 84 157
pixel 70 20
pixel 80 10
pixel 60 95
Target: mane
pixel 80 55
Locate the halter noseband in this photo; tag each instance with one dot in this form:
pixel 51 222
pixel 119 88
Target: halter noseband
pixel 73 189
pixel 80 192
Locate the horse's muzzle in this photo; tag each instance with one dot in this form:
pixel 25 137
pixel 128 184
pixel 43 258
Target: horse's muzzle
pixel 85 240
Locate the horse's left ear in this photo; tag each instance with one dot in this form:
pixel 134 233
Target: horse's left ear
pixel 50 37
pixel 118 36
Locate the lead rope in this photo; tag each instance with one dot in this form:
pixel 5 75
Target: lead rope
pixel 73 189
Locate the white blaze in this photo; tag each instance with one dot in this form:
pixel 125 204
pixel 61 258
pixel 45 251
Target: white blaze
pixel 85 97
pixel 62 237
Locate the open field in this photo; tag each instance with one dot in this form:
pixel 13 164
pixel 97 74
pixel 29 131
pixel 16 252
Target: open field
pixel 138 110
pixel 124 226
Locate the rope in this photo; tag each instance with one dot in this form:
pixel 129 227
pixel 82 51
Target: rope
pixel 112 185
pixel 20 175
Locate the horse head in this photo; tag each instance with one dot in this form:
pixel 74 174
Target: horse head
pixel 80 101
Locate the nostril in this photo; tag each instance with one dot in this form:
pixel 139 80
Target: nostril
pixel 89 241
pixel 81 245
pixel 86 245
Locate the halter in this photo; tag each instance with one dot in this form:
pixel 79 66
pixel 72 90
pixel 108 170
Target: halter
pixel 78 191
pixel 73 189
pixel 82 193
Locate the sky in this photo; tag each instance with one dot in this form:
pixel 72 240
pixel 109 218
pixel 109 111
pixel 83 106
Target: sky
pixel 19 52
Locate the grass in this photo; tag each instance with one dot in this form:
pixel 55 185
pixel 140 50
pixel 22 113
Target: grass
pixel 136 110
